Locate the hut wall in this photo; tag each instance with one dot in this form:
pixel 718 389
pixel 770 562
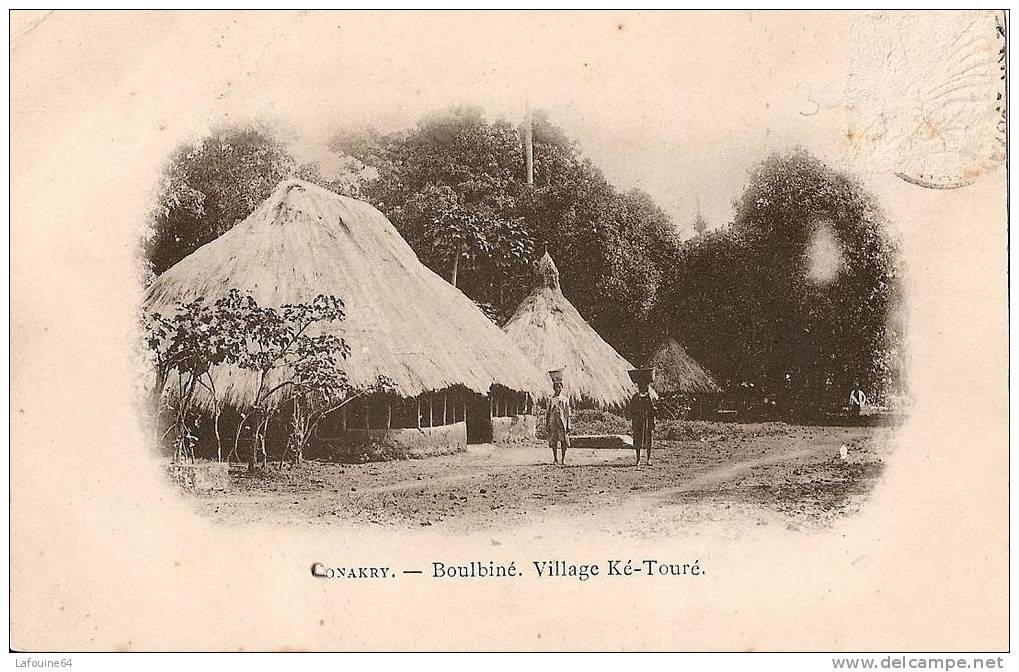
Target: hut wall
pixel 379 444
pixel 514 428
pixel 508 417
pixel 385 427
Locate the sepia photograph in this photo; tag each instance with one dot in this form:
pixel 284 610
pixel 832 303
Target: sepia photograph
pixel 509 325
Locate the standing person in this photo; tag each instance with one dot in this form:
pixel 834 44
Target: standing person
pixel 856 401
pixel 557 418
pixel 642 413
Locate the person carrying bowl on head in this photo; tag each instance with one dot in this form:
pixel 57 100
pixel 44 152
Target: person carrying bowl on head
pixel 642 413
pixel 557 418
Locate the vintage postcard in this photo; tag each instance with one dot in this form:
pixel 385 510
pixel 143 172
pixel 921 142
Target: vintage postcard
pixel 509 331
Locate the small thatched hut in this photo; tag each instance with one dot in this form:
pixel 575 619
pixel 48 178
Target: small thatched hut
pixel 679 378
pixel 453 369
pixel 676 372
pixel 553 335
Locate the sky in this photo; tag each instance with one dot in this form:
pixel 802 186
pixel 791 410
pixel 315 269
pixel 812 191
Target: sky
pixel 680 107
pixel 679 104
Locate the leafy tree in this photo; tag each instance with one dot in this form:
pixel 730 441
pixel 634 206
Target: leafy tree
pixel 458 230
pixel 291 366
pixel 185 346
pixel 210 185
pixel 455 188
pixel 702 304
pixel 802 284
pixel 700 225
pixel 610 246
pixel 297 372
pixel 449 187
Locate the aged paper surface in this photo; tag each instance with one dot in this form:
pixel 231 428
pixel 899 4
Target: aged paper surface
pixel 107 555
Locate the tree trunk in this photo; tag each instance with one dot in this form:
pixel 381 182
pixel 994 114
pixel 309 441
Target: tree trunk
pixel 219 441
pixel 456 264
pixel 297 435
pixel 254 452
pixel 237 437
pixel 261 445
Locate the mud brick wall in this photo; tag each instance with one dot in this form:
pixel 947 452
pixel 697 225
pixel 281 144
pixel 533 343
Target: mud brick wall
pixel 381 444
pixel 513 428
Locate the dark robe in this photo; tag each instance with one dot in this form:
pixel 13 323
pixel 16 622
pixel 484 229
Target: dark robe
pixel 642 419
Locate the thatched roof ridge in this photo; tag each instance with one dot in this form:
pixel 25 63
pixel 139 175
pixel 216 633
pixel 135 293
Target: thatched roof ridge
pixel 553 334
pixel 677 372
pixel 402 320
pixel 548 274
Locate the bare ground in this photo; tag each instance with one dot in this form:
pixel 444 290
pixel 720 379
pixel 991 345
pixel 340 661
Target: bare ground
pixel 763 473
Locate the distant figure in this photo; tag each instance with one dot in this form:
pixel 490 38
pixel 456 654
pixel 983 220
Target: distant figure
pixel 557 418
pixel 642 414
pixel 746 395
pixel 788 405
pixel 856 401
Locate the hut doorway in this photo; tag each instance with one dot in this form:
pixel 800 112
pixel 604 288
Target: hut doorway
pixel 479 419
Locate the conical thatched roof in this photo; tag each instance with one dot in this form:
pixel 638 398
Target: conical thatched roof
pixel 677 372
pixel 553 335
pixel 402 320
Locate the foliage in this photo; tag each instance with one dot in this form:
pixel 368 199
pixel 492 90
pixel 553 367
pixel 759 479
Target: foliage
pixel 294 369
pixel 490 311
pixel 449 186
pixel 700 225
pixel 210 185
pixel 185 346
pixel 750 303
pixel 379 451
pixel 748 300
pixel 588 421
pixel 455 188
pixel 297 371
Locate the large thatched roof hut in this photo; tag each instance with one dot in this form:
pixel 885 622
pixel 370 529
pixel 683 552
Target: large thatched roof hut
pixel 402 322
pixel 676 372
pixel 553 335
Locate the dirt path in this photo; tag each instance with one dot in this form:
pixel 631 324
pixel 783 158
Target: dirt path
pixel 725 473
pixel 702 469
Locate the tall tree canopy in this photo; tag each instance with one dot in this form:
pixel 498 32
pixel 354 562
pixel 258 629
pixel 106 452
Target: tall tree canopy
pixel 455 188
pixel 803 283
